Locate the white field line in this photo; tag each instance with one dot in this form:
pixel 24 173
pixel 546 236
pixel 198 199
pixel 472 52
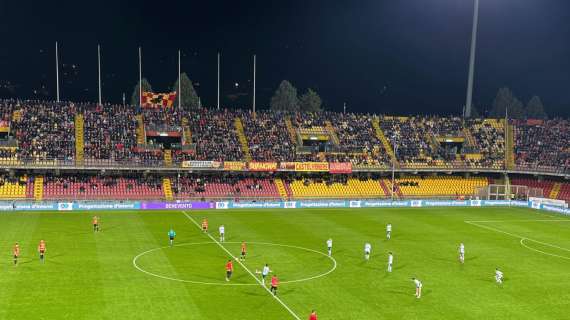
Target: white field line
pixel 539 251
pixel 245 268
pixel 521 220
pixel 135 264
pixel 519 236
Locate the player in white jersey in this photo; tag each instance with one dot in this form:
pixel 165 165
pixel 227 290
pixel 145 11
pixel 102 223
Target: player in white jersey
pixel 498 276
pixel 389 231
pixel 329 246
pixel 222 230
pixel 461 253
pixel 264 273
pixel 367 250
pixel 419 286
pixel 390 261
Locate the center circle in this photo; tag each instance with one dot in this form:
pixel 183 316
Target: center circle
pixel 147 255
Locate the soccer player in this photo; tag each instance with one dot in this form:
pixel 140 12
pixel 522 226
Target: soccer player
pixel 16 253
pixel 390 261
pixel 243 251
pixel 222 230
pixel 498 276
pixel 42 250
pixel 171 236
pixel 274 285
pixel 264 273
pixel 205 225
pixel 388 231
pixel 461 253
pixel 95 224
pixel 329 246
pixel 419 286
pixel 313 315
pixel 229 269
pixel 367 250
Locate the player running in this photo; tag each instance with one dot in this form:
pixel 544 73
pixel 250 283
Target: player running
pixel 367 250
pixel 171 236
pixel 243 251
pixel 264 273
pixel 313 315
pixel 205 225
pixel 274 285
pixel 222 231
pixel 498 276
pixel 16 253
pixel 329 246
pixel 42 250
pixel 419 286
pixel 461 253
pixel 95 224
pixel 390 261
pixel 389 231
pixel 229 269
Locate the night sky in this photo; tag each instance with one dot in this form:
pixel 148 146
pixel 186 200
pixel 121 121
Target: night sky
pixel 396 57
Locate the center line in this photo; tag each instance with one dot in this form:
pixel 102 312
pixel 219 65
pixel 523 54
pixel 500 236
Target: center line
pixel 244 267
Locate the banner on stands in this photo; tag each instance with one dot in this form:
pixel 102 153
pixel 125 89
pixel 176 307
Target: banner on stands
pixel 201 164
pixel 340 167
pixel 234 165
pixel 65 206
pixel 262 166
pixel 107 205
pixel 312 166
pixel 181 205
pixel 552 202
pixel 558 209
pixel 31 206
pixel 287 165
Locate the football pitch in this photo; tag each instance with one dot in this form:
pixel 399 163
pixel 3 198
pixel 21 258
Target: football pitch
pixel 128 270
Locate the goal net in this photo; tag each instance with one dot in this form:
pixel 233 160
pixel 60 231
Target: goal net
pixel 507 192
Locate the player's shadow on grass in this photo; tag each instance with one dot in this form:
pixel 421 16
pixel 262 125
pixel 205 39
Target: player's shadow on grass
pixel 471 258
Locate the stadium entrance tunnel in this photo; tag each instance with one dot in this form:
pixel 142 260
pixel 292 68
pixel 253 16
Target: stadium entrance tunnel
pixel 202 263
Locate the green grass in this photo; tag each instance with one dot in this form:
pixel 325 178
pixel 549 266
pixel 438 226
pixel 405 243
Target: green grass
pixel 91 276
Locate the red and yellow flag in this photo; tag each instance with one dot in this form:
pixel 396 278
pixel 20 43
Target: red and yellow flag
pixel 158 100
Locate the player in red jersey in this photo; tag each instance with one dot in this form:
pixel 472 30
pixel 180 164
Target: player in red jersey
pixel 205 225
pixel 274 284
pixel 229 269
pixel 95 223
pixel 313 315
pixel 16 253
pixel 42 250
pixel 243 251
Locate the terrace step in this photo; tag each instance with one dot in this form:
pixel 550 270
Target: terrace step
pixel 380 135
pixel 281 189
pixel 332 132
pixel 79 139
pixel 291 130
pixel 39 188
pixel 17 115
pixel 242 139
pixel 186 132
pixel 167 189
pixel 168 157
pixel 510 145
pixel 141 135
pixel 555 190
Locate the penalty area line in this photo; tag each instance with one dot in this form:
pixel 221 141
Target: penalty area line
pixel 245 268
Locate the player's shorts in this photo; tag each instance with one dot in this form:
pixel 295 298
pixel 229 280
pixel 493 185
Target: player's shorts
pixel 95 224
pixel 243 253
pixel 367 252
pixel 171 238
pixel 228 274
pixel 273 288
pixel 15 257
pixel 263 276
pixel 42 251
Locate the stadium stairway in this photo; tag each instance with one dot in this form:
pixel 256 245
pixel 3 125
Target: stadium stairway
pixel 167 189
pixel 332 132
pixel 79 139
pixel 141 136
pixel 555 190
pixel 380 135
pixel 39 188
pixel 281 189
pixel 186 132
pixel 291 130
pixel 17 115
pixel 510 145
pixel 168 157
pixel 242 139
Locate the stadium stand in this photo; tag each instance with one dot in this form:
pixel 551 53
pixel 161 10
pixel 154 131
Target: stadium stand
pixel 334 187
pixel 440 186
pixel 13 187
